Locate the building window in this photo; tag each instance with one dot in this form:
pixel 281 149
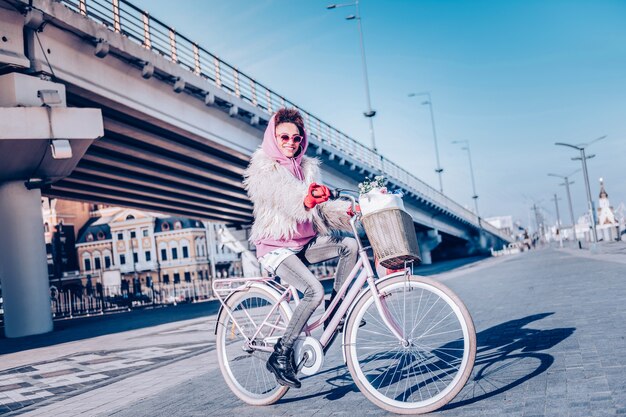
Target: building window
pixel 120 236
pixel 89 237
pixel 145 232
pixel 174 253
pixel 87 264
pixel 135 257
pixel 133 234
pixel 122 259
pixel 165 226
pixel 97 263
pixel 107 262
pixel 185 252
pixel 130 217
pixel 148 256
pixel 176 278
pixel 178 225
pixel 101 235
pixel 187 276
pixel 166 279
pixel 200 275
pixel 164 254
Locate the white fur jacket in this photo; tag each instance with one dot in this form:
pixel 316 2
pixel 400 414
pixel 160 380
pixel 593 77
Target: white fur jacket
pixel 278 199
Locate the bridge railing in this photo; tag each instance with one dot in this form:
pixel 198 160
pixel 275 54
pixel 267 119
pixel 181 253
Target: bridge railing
pixel 123 17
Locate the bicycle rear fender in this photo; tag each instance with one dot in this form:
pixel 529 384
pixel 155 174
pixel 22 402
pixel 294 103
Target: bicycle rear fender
pixel 358 298
pixel 274 293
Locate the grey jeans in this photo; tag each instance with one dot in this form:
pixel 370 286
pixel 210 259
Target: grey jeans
pixel 294 271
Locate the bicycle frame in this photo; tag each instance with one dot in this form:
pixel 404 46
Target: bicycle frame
pixel 342 305
pixel 366 275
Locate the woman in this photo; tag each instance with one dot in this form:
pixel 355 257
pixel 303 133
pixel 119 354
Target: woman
pixel 292 223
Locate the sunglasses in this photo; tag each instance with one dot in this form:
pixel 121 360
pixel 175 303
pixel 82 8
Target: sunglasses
pixel 285 138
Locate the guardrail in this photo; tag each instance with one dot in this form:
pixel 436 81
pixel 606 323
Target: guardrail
pixel 125 18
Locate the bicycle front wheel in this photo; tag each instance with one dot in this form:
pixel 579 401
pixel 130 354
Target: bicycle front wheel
pixel 432 366
pixel 241 362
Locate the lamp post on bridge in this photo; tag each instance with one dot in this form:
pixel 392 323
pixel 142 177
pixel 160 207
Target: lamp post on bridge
pixel 369 113
pixel 429 102
pixel 583 157
pixel 566 183
pixel 558 220
pixel 469 156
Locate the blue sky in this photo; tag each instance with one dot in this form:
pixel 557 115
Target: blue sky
pixel 512 77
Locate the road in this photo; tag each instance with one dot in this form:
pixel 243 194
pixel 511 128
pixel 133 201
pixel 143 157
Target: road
pixel 550 327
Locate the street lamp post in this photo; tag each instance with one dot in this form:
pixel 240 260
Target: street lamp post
pixel 429 102
pixel 583 157
pixel 369 113
pixel 469 155
pixel 558 220
pixel 567 183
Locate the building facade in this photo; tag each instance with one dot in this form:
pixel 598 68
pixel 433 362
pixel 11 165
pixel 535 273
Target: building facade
pixel 148 250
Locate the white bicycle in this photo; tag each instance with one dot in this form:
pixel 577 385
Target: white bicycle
pixel 413 356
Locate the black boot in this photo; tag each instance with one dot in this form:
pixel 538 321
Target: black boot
pixel 283 365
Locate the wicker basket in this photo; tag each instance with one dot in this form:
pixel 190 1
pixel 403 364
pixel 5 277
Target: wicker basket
pixel 392 236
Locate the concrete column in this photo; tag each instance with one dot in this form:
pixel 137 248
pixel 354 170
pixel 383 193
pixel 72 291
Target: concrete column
pixel 23 265
pixel 210 244
pixel 427 242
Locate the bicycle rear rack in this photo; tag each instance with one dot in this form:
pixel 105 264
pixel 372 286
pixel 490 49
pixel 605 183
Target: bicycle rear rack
pixel 225 287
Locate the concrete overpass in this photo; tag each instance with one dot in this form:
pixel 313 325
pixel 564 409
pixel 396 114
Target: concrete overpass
pixel 174 124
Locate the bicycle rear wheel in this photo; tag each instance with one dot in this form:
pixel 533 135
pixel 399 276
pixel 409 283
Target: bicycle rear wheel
pixel 242 365
pixel 428 371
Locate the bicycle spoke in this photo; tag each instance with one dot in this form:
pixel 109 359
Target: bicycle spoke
pixel 256 315
pixel 428 365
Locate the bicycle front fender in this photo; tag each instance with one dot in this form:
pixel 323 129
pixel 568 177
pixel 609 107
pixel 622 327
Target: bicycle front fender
pixel 362 294
pixel 274 293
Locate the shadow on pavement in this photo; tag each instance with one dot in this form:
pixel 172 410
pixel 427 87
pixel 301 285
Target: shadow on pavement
pixel 507 355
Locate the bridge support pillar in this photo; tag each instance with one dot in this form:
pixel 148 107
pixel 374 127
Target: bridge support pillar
pixel 41 142
pixel 427 242
pixel 23 265
pixel 479 244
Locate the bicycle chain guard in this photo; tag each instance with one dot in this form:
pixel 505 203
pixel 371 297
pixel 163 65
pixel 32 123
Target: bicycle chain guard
pixel 312 348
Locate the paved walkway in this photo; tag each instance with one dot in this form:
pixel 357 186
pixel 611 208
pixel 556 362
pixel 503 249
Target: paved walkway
pixel 550 323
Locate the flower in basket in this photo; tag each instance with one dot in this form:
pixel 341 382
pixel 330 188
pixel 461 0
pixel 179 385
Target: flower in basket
pixel 375 184
pixel 375 196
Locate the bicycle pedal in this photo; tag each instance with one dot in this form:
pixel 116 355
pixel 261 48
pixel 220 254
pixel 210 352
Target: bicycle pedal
pixel 305 358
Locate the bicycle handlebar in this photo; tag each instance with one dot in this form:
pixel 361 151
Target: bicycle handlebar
pixel 335 194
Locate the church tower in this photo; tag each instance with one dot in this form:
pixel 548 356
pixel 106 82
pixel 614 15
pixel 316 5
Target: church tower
pixel 606 216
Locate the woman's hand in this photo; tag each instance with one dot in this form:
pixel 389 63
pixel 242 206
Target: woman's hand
pixel 351 213
pixel 317 194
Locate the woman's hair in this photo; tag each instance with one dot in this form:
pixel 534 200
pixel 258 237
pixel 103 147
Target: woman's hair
pixel 285 115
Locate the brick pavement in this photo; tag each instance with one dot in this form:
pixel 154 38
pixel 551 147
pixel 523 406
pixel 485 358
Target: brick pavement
pixel 551 327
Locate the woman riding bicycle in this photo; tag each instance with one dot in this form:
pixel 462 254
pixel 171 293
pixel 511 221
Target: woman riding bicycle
pixel 293 220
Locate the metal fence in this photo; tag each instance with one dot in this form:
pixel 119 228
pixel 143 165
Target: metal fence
pixel 71 303
pixel 122 17
pixel 95 300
